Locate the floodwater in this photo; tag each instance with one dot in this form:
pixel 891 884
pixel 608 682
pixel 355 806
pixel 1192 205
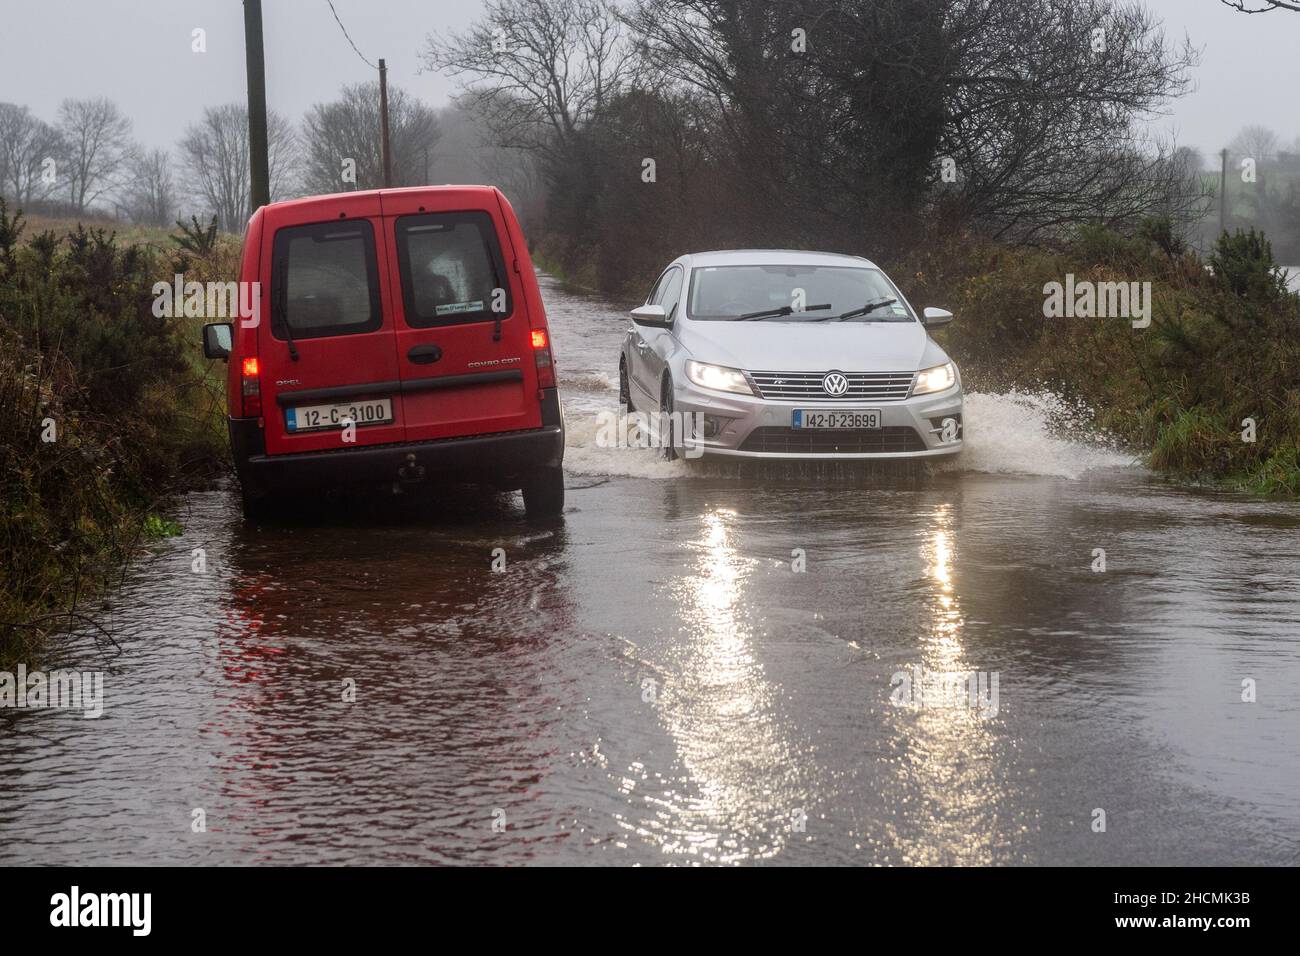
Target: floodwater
pixel 652 681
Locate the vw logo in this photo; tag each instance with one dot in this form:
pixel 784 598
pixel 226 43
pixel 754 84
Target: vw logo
pixel 835 383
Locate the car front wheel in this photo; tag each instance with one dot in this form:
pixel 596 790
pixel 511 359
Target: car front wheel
pixel 667 430
pixel 624 390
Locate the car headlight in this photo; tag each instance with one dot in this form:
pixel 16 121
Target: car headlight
pixel 717 377
pixel 935 379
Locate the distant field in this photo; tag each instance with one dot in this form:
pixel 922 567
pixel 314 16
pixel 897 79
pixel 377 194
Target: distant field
pixel 128 234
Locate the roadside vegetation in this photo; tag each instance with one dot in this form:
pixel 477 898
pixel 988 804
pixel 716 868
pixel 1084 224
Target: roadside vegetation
pixel 978 151
pixel 1209 392
pixel 106 411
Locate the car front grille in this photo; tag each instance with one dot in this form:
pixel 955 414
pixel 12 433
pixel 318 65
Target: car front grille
pixel 824 441
pixel 863 386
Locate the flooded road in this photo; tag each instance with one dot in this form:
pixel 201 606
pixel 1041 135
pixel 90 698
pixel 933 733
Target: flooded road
pixel 653 681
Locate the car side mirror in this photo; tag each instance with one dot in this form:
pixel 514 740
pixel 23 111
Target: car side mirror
pixel 217 340
pixel 936 317
pixel 650 315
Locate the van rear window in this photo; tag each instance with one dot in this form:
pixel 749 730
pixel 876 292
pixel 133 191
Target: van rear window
pixel 452 269
pixel 324 280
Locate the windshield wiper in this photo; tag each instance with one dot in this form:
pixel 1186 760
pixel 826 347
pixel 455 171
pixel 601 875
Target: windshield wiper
pixel 772 313
pixel 854 313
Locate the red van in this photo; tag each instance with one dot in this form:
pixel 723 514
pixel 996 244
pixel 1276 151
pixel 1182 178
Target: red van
pixel 400 338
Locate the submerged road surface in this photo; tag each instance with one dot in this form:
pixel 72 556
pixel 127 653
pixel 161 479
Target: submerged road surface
pixel 696 666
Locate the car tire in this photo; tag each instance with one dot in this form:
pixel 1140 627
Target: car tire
pixel 666 411
pixel 624 391
pixel 544 493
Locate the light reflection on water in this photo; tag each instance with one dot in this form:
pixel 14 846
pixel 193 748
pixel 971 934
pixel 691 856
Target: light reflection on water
pixel 952 749
pixel 723 717
pixel 523 691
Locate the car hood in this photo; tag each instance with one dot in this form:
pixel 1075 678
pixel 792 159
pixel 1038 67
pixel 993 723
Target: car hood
pixel 812 346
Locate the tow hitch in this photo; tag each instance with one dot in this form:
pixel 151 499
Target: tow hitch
pixel 411 471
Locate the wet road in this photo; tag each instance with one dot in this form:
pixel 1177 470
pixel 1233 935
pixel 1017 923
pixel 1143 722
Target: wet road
pixel 651 681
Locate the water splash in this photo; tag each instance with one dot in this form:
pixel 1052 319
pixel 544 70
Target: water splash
pixel 1026 433
pixel 584 456
pixel 593 382
pixel 1033 433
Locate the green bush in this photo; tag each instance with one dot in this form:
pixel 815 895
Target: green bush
pixel 90 302
pixel 196 238
pixel 103 413
pixel 1244 265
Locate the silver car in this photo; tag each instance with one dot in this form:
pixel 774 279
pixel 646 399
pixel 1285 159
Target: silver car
pixel 778 354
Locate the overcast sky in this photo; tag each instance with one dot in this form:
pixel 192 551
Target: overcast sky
pixel 137 52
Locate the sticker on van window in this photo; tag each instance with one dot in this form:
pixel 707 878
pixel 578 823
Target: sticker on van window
pixel 454 307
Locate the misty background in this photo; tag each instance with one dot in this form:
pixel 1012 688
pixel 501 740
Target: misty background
pixel 979 150
pixel 147 127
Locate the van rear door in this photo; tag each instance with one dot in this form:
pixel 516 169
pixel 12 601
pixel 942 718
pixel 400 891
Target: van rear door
pixel 464 351
pixel 327 282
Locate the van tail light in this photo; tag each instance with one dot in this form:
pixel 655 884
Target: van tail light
pixel 542 357
pixel 251 387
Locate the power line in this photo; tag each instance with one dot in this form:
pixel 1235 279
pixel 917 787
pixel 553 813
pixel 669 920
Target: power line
pixel 384 147
pixel 349 39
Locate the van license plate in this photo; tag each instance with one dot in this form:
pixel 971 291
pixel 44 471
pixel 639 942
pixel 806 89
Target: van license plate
pixel 306 418
pixel 836 418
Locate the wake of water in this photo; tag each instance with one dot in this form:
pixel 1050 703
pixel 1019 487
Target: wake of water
pixel 1026 433
pixel 1033 433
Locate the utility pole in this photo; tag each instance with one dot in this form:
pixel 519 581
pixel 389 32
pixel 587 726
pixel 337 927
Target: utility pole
pixel 259 164
pixel 1223 190
pixel 383 124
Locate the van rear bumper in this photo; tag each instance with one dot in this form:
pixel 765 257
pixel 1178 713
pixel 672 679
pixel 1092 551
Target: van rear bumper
pixel 503 459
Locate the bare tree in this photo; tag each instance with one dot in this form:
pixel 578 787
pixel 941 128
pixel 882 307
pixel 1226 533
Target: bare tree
pixel 31 155
pixel 97 140
pixel 150 198
pixel 1263 6
pixel 1256 142
pixel 348 128
pixel 838 123
pixel 1045 110
pixel 1031 108
pixel 1191 159
pixel 536 70
pixel 214 154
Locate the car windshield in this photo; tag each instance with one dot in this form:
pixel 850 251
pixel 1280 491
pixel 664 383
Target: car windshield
pixel 822 292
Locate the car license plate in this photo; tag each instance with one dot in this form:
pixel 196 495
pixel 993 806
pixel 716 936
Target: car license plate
pixel 305 418
pixel 837 418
